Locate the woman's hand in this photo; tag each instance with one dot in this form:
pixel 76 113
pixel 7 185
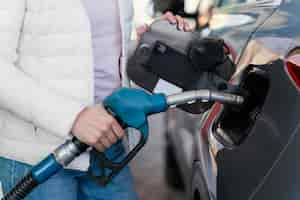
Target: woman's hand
pixel 182 24
pixel 97 128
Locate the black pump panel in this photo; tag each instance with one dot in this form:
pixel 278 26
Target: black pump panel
pixel 183 59
pixel 266 165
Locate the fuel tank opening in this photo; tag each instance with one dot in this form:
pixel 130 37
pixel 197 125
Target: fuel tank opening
pixel 235 123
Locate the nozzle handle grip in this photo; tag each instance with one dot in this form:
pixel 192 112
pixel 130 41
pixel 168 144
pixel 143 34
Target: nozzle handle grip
pixel 115 167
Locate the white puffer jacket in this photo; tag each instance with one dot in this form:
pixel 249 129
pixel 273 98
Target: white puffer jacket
pixel 46 78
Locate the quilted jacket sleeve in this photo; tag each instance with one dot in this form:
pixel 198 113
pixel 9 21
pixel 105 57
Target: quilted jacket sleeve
pixel 19 93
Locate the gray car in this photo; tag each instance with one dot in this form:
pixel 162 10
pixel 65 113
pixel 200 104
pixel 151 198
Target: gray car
pixel 244 153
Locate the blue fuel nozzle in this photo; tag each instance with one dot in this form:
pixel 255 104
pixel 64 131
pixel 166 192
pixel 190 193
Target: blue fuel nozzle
pixel 132 106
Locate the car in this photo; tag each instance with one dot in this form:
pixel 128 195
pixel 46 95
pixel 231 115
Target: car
pixel 182 126
pixel 248 152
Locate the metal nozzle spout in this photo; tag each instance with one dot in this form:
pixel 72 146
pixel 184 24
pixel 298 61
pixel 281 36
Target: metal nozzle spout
pixel 204 95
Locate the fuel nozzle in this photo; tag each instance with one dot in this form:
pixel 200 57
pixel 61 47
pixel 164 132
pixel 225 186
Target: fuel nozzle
pixel 204 96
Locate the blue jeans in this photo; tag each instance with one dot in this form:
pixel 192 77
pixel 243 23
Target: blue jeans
pixel 70 184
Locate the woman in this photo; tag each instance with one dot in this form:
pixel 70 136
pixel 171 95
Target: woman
pixel 58 60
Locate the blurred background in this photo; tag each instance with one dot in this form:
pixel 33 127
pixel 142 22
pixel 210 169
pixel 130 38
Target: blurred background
pixel 148 167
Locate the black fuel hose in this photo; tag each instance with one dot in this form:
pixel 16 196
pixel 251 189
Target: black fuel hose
pixel 22 189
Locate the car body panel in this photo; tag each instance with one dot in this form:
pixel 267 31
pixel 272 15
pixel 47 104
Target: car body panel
pixel 243 171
